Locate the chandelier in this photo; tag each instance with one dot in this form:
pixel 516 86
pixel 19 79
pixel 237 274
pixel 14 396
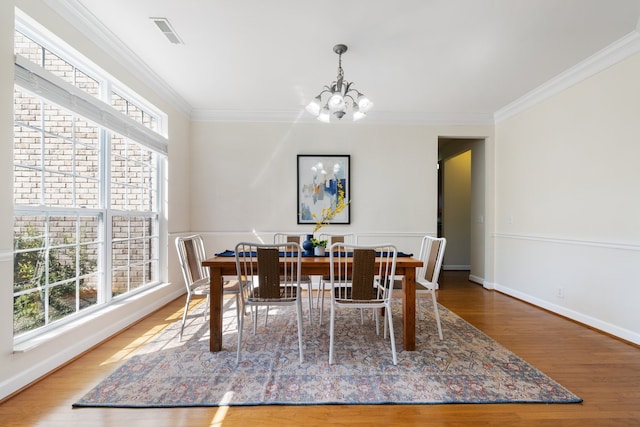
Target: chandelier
pixel 337 97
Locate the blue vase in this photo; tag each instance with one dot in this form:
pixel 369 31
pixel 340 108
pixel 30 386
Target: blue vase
pixel 307 245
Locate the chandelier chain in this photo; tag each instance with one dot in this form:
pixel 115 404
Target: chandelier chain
pixel 340 75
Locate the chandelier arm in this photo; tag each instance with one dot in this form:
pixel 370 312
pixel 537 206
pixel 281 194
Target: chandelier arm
pixel 339 90
pixel 347 95
pixel 325 90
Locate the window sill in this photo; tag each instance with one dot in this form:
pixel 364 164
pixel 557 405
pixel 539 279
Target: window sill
pixel 52 334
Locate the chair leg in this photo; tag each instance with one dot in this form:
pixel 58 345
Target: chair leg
pixel 255 319
pixel 436 312
pixel 391 334
pixel 384 322
pixel 321 304
pixel 239 310
pixel 184 315
pixel 331 327
pixel 240 328
pixel 299 307
pixel 310 290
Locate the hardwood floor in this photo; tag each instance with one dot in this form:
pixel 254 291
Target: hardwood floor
pixel 602 370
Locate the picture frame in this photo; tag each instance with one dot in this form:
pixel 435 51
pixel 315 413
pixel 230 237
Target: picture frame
pixel 319 176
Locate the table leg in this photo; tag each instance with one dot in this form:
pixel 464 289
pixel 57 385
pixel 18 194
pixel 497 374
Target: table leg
pixel 409 309
pixel 215 309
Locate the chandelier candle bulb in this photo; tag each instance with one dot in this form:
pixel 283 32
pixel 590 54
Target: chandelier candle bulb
pixel 338 96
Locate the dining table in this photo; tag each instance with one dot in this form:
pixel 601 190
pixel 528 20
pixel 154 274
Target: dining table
pixel 221 266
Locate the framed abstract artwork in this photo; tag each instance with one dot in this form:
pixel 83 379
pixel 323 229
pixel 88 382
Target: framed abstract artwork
pixel 323 185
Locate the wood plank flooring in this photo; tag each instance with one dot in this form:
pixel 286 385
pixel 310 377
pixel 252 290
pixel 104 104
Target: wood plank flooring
pixel 602 370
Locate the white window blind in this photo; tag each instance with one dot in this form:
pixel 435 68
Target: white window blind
pixel 39 81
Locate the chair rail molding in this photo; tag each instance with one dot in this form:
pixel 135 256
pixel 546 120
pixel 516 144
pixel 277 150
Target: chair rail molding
pixel 567 241
pixel 6 255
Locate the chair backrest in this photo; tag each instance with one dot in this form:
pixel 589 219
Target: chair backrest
pixel 431 255
pixel 349 238
pixel 287 238
pixel 279 238
pixel 191 253
pixel 362 273
pixel 269 272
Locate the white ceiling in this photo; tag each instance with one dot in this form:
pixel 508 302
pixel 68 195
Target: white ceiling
pixel 466 58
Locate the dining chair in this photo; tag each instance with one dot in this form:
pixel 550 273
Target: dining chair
pixel 357 282
pixel 270 276
pixel 431 255
pixel 191 253
pixel 350 239
pixel 305 280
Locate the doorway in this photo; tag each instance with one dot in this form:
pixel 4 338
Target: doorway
pixel 461 204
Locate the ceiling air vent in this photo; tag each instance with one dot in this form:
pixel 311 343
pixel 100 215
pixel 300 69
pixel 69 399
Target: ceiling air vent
pixel 167 30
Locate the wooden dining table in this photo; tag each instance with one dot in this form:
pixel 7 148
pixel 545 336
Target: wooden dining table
pixel 220 266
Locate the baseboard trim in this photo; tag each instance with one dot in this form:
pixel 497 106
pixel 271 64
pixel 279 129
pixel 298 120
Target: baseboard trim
pixel 25 378
pixel 576 316
pixel 453 267
pixel 476 279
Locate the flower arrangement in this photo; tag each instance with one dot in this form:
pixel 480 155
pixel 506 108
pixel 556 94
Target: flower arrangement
pixel 319 243
pixel 329 213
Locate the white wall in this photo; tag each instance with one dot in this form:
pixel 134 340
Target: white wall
pixel 244 179
pixel 568 202
pixel 18 369
pixel 225 180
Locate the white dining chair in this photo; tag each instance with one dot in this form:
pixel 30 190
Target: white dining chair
pixel 305 280
pixel 270 275
pixel 191 253
pixel 431 255
pixel 349 238
pixel 361 277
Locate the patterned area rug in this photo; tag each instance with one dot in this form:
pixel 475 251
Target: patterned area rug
pixel 466 367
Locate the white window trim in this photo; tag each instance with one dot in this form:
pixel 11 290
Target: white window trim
pixel 34 30
pixel 42 83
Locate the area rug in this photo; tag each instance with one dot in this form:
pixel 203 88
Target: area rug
pixel 466 367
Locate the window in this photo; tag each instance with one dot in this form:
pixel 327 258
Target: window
pixel 87 171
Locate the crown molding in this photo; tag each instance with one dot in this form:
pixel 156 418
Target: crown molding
pixel 374 117
pixel 74 12
pixel 432 118
pixel 612 54
pixel 85 22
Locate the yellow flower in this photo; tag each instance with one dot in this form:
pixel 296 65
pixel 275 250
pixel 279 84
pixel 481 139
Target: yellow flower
pixel 329 213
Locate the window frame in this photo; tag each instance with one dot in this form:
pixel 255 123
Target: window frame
pixel 154 140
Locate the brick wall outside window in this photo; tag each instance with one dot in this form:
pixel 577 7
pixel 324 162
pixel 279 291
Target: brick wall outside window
pixel 66 220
